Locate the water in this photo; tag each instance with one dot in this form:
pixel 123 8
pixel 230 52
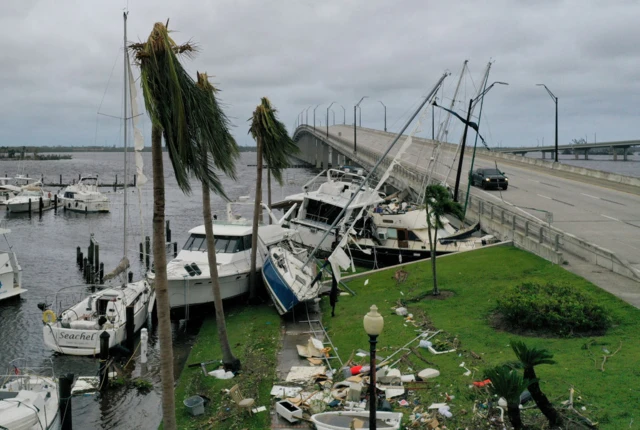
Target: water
pixel 46 250
pixel 598 162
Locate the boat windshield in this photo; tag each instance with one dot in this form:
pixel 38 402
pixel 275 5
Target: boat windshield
pixel 224 244
pixel 30 193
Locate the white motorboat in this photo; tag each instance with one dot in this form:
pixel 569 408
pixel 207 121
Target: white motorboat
pixel 189 277
pixel 345 420
pixel 22 180
pixel 322 210
pixel 28 398
pixel 29 199
pixel 84 196
pixel 76 330
pixel 10 270
pixel 7 190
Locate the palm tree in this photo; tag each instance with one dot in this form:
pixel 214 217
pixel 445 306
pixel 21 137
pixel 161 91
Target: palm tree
pixel 178 110
pixel 274 146
pixel 529 358
pixel 224 159
pixel 438 202
pixel 508 383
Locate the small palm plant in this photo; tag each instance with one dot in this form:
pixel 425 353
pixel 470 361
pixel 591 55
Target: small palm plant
pixel 529 358
pixel 508 383
pixel 438 202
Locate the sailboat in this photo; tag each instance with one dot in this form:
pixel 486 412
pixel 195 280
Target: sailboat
pixel 289 273
pixel 76 330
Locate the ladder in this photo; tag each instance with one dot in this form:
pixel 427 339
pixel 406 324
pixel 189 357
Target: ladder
pixel 316 329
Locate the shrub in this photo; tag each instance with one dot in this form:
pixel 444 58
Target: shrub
pixel 559 309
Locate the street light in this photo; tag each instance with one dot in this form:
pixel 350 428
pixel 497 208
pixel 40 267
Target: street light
pixel 307 114
pixel 328 119
pixel 555 100
pixel 314 117
pixel 373 324
pixel 472 102
pixel 385 115
pixel 334 116
pixel 344 115
pixel 355 108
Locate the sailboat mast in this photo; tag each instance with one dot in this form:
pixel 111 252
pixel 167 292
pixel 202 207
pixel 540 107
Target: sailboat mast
pixel 126 61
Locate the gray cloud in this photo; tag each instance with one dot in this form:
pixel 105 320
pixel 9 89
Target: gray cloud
pixel 58 58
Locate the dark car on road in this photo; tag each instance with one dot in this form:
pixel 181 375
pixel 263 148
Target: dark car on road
pixel 489 178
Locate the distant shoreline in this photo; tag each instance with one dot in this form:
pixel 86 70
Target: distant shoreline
pixel 65 149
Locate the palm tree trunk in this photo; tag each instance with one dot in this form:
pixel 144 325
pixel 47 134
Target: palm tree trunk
pixel 269 191
pixel 230 362
pixel 162 293
pixel 434 243
pixel 513 412
pixel 541 399
pixel 256 215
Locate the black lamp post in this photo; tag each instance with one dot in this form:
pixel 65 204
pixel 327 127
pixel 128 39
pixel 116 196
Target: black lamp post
pixel 355 108
pixel 334 116
pixel 344 115
pixel 385 115
pixel 314 117
pixel 307 114
pixel 373 324
pixel 329 107
pixel 555 100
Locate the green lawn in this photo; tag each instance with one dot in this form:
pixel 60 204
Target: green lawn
pixel 476 280
pixel 254 334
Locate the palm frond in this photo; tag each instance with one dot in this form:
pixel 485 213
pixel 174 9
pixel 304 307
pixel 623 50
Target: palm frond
pixel 277 146
pixel 531 356
pixel 439 203
pixel 508 383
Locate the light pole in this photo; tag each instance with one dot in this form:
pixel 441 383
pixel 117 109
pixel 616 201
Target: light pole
pixel 555 100
pixel 344 115
pixel 314 117
pixel 385 115
pixel 329 107
pixel 464 136
pixel 355 108
pixel 373 324
pixel 359 116
pixel 334 116
pixel 307 114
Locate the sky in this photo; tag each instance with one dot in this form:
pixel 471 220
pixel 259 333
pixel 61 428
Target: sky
pixel 62 63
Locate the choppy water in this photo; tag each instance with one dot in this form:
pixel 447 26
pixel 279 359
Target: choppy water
pixel 599 162
pixel 46 250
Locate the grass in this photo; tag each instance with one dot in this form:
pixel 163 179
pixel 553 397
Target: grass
pixel 254 335
pixel 476 280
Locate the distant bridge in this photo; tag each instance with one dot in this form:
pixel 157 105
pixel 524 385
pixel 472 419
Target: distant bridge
pixel 577 148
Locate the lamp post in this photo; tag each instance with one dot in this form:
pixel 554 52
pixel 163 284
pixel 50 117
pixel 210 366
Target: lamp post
pixel 314 117
pixel 555 100
pixel 329 107
pixel 334 116
pixel 472 102
pixel 307 114
pixel 433 119
pixel 373 324
pixel 359 116
pixel 385 115
pixel 355 108
pixel 344 115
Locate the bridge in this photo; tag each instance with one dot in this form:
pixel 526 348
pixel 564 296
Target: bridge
pixel 577 148
pixel 563 213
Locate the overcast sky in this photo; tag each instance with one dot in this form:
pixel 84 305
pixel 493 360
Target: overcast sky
pixel 59 58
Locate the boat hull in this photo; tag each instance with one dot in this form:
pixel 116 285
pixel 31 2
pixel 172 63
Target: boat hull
pixel 282 296
pixel 84 206
pixel 200 291
pixel 342 420
pixel 23 207
pixel 384 257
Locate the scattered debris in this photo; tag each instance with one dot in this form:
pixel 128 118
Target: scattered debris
pixel 304 373
pixel 428 374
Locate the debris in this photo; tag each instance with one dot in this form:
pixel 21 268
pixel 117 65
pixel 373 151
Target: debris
pixel 428 374
pixel 314 361
pixel 481 384
pixel 437 405
pixel 476 356
pixel 391 392
pixel 425 344
pixel 259 409
pixel 400 276
pixel 304 373
pixel 288 411
pixel 366 282
pixel 444 411
pixel 313 348
pixel 403 403
pixel 408 378
pixel 282 392
pixel 401 311
pixel 221 374
pixel 433 424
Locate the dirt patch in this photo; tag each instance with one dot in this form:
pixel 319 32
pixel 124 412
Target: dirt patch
pixel 444 295
pixel 497 321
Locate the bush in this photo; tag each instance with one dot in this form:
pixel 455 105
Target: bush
pixel 558 309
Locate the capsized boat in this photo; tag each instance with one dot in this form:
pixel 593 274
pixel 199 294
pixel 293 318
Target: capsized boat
pixel 84 196
pixel 28 397
pixel 188 275
pixel 345 420
pixel 76 330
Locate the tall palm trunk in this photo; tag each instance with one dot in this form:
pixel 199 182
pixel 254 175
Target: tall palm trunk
pixel 432 247
pixel 256 215
pixel 162 293
pixel 513 412
pixel 269 191
pixel 230 362
pixel 541 399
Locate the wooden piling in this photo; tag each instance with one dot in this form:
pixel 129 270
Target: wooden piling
pixel 130 276
pixel 101 271
pixel 90 250
pixel 40 206
pixel 104 358
pixel 141 252
pixel 65 382
pixel 175 249
pixel 78 256
pixel 130 327
pixel 29 208
pixel 55 203
pixel 168 232
pixel 147 247
pixel 85 268
pixel 135 179
pixel 96 254
pixel 60 180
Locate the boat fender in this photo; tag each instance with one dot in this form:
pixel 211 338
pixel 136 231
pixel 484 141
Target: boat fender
pixel 48 316
pixel 49 195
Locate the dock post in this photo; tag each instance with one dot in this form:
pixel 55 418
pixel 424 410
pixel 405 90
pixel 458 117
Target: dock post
pixel 175 249
pixel 55 203
pixel 104 357
pixel 144 337
pixel 130 276
pixel 90 250
pixel 135 180
pixel 40 206
pixel 92 274
pixel 78 256
pixel 147 248
pixel 168 232
pixel 61 180
pixel 101 272
pixel 141 252
pixel 65 382
pixel 96 254
pixel 85 267
pixel 130 327
pixel 29 208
